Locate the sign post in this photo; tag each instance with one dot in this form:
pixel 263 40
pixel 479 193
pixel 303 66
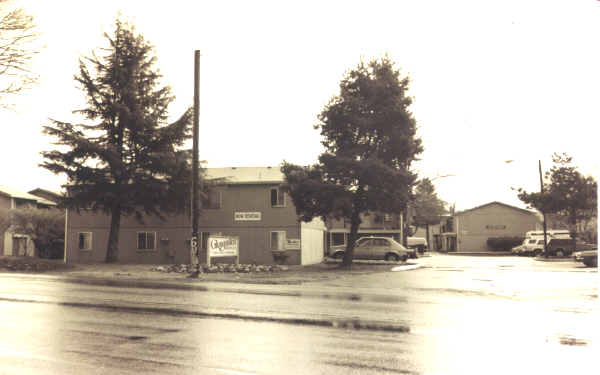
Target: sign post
pixel 194 251
pixel 196 182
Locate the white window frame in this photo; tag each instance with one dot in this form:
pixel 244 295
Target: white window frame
pixel 280 197
pixel 282 242
pixel 79 241
pixel 137 240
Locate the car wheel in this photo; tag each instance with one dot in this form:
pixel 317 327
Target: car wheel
pixel 404 258
pixel 391 257
pixel 537 253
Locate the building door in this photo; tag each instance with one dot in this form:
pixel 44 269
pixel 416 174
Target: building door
pixel 451 243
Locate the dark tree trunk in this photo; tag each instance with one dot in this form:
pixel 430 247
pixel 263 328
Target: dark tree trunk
pixel 427 235
pixel 112 251
pixel 404 227
pixel 573 229
pixel 352 237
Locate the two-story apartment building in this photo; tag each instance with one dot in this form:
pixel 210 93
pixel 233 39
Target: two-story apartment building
pixel 14 243
pixel 247 203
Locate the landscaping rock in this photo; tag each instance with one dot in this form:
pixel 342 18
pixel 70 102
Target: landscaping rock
pixel 221 268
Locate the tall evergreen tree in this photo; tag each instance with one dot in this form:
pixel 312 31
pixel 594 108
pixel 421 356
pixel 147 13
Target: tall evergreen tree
pixel 370 139
pixel 569 194
pixel 427 207
pixel 126 158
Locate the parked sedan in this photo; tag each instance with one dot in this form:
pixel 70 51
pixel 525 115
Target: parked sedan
pixel 588 257
pixel 516 250
pixel 377 248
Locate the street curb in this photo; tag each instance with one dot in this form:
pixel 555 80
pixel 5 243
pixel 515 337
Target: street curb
pixel 480 254
pixel 254 289
pixel 356 324
pixel 553 259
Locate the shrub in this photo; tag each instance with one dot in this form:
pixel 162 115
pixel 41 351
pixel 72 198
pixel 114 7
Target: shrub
pixel 504 243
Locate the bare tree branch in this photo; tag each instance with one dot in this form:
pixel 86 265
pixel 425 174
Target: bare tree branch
pixel 16 33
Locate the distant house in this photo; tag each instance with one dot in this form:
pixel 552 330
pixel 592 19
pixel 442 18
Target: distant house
pixel 46 194
pixel 15 243
pixel 247 202
pixel 469 230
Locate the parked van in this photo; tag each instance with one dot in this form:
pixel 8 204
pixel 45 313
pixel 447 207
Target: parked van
pixel 418 243
pixel 550 233
pixel 534 240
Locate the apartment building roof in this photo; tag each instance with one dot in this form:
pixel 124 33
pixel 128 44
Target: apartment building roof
pixel 246 175
pixel 14 193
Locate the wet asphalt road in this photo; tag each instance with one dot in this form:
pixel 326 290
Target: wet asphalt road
pixel 454 315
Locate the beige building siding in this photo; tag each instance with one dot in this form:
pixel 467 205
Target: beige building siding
pixel 475 226
pixel 170 239
pixel 254 224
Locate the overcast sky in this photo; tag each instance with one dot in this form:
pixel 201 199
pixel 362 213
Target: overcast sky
pixel 491 81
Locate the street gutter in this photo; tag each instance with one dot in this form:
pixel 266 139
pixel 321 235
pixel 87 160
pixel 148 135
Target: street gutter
pixel 294 319
pixel 481 253
pixel 231 287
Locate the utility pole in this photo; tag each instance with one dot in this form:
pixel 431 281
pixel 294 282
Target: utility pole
pixel 194 248
pixel 543 213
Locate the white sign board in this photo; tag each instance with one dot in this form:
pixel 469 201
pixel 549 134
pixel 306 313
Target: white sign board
pixel 292 244
pixel 219 246
pixel 247 216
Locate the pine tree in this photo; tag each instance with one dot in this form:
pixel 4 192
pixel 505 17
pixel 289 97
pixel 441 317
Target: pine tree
pixel 426 205
pixel 569 194
pixel 126 159
pixel 369 135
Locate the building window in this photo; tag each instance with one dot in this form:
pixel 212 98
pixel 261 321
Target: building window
pixel 338 239
pixel 85 240
pixel 278 240
pixel 387 217
pixel 212 200
pixel 277 197
pixel 146 240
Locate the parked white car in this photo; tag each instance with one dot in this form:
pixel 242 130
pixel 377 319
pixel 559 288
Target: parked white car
pixel 377 248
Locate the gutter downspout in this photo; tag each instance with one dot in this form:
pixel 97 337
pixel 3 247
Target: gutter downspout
pixel 66 235
pixel 457 235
